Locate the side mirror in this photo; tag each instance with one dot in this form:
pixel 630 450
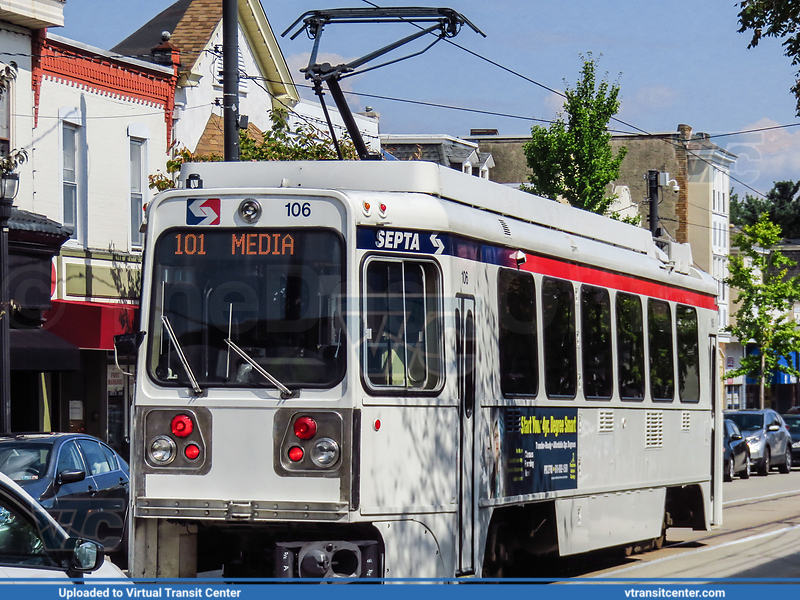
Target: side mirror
pixel 128 343
pixel 773 427
pixel 85 555
pixel 736 436
pixel 70 476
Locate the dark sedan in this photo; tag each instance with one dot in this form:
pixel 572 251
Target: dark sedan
pixel 793 424
pixel 736 453
pixel 78 479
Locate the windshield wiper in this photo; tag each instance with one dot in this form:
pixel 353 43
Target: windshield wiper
pixel 285 391
pixel 181 356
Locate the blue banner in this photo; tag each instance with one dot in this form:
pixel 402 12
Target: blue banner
pixel 466 589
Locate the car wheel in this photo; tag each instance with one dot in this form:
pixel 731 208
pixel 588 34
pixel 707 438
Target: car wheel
pixel 763 468
pixel 727 473
pixel 745 473
pixel 786 467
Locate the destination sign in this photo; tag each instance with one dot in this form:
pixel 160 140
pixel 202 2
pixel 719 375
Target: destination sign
pixel 233 244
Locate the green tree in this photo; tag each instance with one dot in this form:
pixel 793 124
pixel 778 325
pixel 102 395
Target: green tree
pixel 280 142
pixel 774 18
pixel 573 158
pixel 766 295
pixel 782 204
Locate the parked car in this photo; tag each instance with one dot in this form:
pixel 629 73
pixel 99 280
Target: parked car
pixel 736 453
pixel 33 545
pixel 767 437
pixel 793 424
pixel 78 479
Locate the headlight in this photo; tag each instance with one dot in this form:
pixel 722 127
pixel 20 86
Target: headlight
pixel 752 440
pixel 796 445
pixel 325 453
pixel 162 450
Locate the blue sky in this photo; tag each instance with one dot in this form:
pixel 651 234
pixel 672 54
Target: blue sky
pixel 677 61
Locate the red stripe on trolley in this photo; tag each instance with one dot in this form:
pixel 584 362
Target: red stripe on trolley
pixel 623 283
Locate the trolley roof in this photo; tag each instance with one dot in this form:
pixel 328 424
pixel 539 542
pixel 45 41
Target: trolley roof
pixel 426 178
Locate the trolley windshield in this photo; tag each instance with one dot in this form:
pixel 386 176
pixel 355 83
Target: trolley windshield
pixel 276 295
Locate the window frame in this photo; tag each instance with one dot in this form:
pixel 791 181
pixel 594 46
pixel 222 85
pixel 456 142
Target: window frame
pixel 402 390
pixel 137 238
pixel 652 364
pixel 642 343
pixel 692 309
pixel 584 338
pixel 510 273
pixel 573 309
pixel 73 182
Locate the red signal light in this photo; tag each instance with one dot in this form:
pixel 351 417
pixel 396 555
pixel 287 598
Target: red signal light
pixel 296 454
pixel 182 426
pixel 192 451
pixel 305 428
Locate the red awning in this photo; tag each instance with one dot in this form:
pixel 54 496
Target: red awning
pixel 90 325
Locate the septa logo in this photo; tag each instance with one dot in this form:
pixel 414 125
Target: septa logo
pixel 202 212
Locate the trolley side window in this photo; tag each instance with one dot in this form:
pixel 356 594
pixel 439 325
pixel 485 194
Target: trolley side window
pixel 662 370
pixel 688 354
pixel 519 360
pixel 402 325
pixel 630 346
pixel 596 342
pixel 558 322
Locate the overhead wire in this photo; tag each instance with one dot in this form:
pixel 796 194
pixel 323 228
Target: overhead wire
pixel 563 95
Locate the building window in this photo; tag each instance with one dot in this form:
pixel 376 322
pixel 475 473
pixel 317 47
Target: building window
pixel 137 189
pixel 5 121
pixel 69 148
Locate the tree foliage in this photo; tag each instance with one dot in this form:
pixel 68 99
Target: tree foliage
pixel 774 18
pixel 782 205
pixel 280 142
pixel 573 158
pixel 766 295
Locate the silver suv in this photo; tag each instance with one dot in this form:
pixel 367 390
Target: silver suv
pixel 767 436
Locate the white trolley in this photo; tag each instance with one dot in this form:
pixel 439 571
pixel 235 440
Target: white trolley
pixel 393 369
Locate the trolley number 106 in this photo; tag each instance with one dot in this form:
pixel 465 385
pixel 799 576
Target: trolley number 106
pixel 298 209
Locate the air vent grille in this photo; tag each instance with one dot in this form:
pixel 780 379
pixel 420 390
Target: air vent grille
pixel 686 420
pixel 606 421
pixel 654 435
pixel 506 228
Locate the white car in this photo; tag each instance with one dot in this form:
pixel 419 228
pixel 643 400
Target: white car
pixel 33 545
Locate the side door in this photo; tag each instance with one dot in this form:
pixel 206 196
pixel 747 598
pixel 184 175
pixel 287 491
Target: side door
pixel 73 494
pixel 465 353
pixel 106 519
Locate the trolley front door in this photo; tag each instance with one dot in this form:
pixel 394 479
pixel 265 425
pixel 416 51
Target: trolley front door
pixel 465 344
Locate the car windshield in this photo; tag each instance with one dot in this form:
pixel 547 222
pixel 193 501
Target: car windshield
pixel 24 461
pixel 793 423
pixel 747 421
pixel 276 294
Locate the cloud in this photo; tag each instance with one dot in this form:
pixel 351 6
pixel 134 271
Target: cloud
pixel 766 156
pixel 647 100
pixel 553 104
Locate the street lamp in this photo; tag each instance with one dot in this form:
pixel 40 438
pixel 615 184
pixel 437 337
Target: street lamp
pixel 9 184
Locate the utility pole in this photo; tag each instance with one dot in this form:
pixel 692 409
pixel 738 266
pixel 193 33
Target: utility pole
pixel 230 78
pixel 652 188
